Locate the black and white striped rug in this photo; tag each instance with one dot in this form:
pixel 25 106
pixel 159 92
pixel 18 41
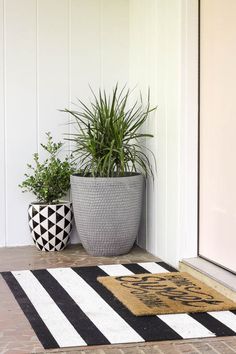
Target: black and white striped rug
pixel 67 307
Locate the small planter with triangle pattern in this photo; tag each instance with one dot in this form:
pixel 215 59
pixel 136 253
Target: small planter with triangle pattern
pixel 50 225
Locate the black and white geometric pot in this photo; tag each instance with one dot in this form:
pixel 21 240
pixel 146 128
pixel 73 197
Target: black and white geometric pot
pixel 50 225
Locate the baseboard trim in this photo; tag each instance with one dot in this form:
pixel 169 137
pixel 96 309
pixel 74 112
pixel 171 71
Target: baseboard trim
pixel 212 275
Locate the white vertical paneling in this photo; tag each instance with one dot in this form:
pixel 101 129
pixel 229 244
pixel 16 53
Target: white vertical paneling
pixel 2 129
pixel 147 61
pixel 138 78
pixel 54 49
pixel 85 48
pixel 160 53
pixel 115 42
pixel 138 45
pixel 158 221
pixel 20 112
pixel 53 70
pixel 85 53
pixel 189 133
pixel 172 103
pixel 152 57
pixel 52 67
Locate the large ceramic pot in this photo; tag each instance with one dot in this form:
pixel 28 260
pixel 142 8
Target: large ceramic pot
pixel 50 225
pixel 107 212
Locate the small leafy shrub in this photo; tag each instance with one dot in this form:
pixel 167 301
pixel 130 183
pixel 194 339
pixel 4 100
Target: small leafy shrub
pixel 109 141
pixel 49 181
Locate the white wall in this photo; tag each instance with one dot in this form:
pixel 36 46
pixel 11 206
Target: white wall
pixel 50 50
pixel 163 55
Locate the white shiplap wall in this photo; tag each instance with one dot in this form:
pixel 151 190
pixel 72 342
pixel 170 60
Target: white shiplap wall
pixel 2 133
pixel 163 56
pixel 50 50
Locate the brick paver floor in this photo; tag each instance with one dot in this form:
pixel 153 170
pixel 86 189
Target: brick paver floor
pixel 17 336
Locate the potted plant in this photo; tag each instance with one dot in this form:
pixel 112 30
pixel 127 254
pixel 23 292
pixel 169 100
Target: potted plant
pixel 50 218
pixel 108 190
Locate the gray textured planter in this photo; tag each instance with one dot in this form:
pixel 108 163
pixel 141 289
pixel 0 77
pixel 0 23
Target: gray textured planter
pixel 107 212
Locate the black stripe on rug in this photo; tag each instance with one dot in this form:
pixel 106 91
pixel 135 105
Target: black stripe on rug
pixel 211 323
pixel 167 267
pixel 135 268
pixel 83 325
pixel 32 315
pixel 150 328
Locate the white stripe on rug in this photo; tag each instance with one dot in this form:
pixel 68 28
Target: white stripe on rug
pixel 113 327
pixel 186 326
pixel 59 326
pixel 153 267
pixel 115 270
pixel 226 317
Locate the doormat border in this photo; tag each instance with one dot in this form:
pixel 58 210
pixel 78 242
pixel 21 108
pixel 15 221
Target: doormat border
pixel 165 293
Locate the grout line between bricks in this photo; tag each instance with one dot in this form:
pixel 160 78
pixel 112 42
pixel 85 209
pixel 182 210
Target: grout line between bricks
pixel 215 350
pixel 230 347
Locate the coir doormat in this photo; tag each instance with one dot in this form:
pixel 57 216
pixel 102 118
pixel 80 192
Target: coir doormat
pixel 68 307
pixel 158 294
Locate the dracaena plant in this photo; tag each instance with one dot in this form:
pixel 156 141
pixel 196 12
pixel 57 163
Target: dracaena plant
pixel 49 180
pixel 109 141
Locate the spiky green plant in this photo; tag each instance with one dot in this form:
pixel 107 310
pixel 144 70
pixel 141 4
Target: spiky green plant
pixel 108 141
